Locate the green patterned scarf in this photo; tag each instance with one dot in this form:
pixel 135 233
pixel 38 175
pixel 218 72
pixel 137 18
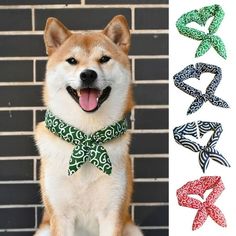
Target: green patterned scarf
pixel 200 17
pixel 87 147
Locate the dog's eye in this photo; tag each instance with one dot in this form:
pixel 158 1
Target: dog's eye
pixel 104 59
pixel 72 61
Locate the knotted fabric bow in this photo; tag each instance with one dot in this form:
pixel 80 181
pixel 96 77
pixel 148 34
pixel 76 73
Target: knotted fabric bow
pixel 207 208
pixel 87 147
pixel 208 39
pixel 205 152
pixel 192 72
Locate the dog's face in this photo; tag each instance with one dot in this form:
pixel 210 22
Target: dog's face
pixel 88 73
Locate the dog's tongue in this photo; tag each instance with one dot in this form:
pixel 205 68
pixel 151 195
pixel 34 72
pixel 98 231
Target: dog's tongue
pixel 88 99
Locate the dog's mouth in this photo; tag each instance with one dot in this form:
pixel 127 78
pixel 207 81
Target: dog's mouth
pixel 89 99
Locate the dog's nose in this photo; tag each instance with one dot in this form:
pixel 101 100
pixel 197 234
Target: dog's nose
pixel 88 76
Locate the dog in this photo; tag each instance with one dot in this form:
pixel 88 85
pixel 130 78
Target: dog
pixel 88 86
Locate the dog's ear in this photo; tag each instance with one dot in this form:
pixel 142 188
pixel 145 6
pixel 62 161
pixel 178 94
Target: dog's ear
pixel 118 31
pixel 55 34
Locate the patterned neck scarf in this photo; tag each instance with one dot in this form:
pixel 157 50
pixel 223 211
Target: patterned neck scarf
pixel 199 187
pixel 200 17
pixel 191 72
pixel 87 147
pixel 205 152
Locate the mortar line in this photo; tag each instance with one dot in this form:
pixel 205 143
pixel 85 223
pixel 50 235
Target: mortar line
pixel 33 18
pixel 154 227
pixel 20 108
pixel 148 131
pixel 157 155
pixel 137 156
pixel 132 18
pixel 16 133
pixel 34 71
pixel 132 117
pixel 33 229
pixel 132 212
pixel 18 230
pixel 151 106
pixel 150 203
pixel 41 32
pixel 21 83
pixel 19 182
pixel 20 206
pixel 72 6
pixel 34 120
pixel 35 217
pixel 151 82
pixel 151 180
pixel 35 169
pixel 13 158
pixel 23 58
pixel 13 58
pixel 35 82
pixel 133 131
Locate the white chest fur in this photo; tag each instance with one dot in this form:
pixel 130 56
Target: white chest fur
pixel 89 192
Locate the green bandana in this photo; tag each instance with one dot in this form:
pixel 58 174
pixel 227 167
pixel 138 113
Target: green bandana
pixel 209 39
pixel 87 147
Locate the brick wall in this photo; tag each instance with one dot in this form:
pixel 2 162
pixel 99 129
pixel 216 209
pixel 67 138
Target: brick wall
pixel 22 66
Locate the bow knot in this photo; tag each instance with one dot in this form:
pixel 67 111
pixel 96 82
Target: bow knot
pixel 208 36
pixel 88 142
pixel 192 72
pixel 205 149
pixel 205 97
pixel 206 205
pixel 206 208
pixel 208 39
pixel 206 152
pixel 87 147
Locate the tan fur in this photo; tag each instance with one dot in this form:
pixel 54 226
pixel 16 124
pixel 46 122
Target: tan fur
pixel 67 198
pixel 117 31
pixel 55 35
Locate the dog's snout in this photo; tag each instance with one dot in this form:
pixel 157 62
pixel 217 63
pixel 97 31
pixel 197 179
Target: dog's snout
pixel 88 76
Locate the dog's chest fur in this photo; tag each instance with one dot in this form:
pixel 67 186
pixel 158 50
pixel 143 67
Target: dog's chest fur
pixel 87 194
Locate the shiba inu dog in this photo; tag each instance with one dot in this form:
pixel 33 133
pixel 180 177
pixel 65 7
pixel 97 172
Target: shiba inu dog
pixel 87 86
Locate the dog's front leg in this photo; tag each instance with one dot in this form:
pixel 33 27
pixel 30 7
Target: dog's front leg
pixel 61 226
pixel 110 225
